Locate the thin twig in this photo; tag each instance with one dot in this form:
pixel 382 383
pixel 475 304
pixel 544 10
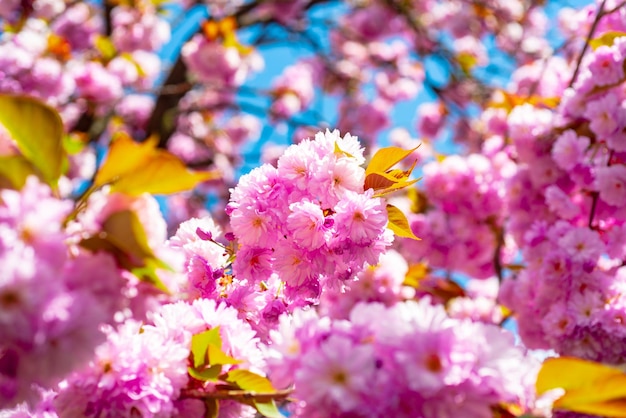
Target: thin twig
pixel 592 30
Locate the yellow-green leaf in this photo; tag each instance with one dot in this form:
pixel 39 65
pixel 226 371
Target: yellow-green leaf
pixel 124 237
pixel 399 224
pixel 148 273
pixel 74 143
pixel 590 388
pixel 134 168
pixel 339 152
pixel 249 381
pixel 268 409
pixel 606 39
pixel 14 170
pixel 37 130
pixel 219 357
pixel 125 231
pixel 467 61
pixel 200 343
pixel 385 158
pixel 105 46
pixel 210 374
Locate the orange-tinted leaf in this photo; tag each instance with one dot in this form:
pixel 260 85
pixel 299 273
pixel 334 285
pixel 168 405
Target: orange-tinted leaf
pixel 135 168
pixel 37 130
pixel 124 156
pixel 385 158
pixel 590 388
pixel 59 47
pixel 508 101
pixel 399 224
pixel 164 173
pixel 379 181
pixel 416 273
pixel 394 187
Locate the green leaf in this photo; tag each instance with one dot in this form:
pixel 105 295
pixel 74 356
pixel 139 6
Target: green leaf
pixel 73 144
pixel 385 158
pixel 38 131
pixel 209 374
pixel 249 381
pixel 399 224
pixel 14 170
pixel 268 409
pixel 200 344
pixel 607 39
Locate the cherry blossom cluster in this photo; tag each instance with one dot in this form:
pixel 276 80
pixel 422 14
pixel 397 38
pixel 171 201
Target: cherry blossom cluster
pixel 53 298
pixel 71 65
pixel 302 227
pixel 406 360
pixel 143 368
pixel 308 219
pixel 566 206
pixel 461 225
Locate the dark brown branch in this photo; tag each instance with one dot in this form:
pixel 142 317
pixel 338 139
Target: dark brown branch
pixel 596 196
pixel 108 24
pixel 166 100
pixel 592 30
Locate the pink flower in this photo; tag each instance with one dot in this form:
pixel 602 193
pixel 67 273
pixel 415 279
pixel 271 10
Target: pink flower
pixel 611 184
pixel 431 119
pixel 306 223
pixel 607 66
pixel 560 203
pixel 335 177
pixel 251 226
pixel 605 115
pixel 96 84
pixel 337 372
pixel 253 264
pixel 569 149
pixel 360 218
pixel 292 264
